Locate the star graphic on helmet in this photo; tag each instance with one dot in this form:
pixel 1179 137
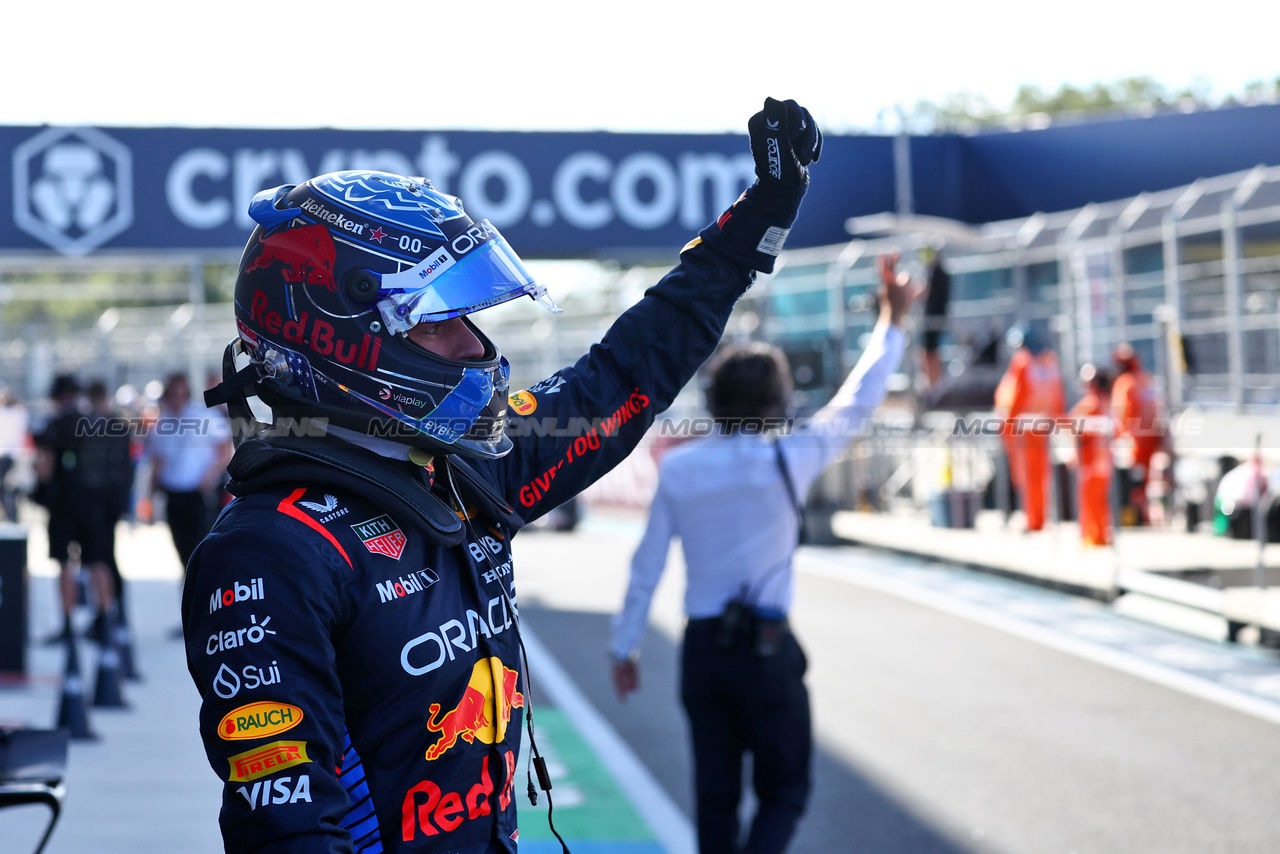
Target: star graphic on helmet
pixel 377 234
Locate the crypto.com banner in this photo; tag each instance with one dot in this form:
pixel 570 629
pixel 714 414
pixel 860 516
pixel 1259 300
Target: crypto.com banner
pixel 77 190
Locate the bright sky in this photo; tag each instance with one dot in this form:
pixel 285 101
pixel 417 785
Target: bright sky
pixel 653 65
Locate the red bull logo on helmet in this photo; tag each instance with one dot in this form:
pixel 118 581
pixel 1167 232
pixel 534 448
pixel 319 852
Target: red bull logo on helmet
pixel 316 333
pixel 482 713
pixel 307 254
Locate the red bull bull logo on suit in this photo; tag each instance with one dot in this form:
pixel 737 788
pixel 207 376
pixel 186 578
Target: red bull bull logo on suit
pixel 482 713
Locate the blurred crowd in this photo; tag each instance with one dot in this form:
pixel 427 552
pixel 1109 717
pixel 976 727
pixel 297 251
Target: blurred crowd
pixel 91 457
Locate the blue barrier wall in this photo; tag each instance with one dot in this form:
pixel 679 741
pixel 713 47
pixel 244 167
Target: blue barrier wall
pixel 78 190
pixel 1067 167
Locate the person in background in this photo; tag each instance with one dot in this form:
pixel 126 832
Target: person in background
pixel 189 447
pixel 1139 431
pixel 735 501
pixel 63 479
pixel 223 497
pixel 936 299
pixel 1160 488
pixel 1092 419
pixel 13 441
pixel 106 479
pixel 1030 391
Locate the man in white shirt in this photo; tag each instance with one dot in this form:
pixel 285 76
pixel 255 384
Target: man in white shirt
pixel 733 500
pixel 189 447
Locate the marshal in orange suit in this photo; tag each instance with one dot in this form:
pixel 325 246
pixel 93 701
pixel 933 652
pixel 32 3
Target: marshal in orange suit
pixel 1030 391
pixel 1137 419
pixel 1092 419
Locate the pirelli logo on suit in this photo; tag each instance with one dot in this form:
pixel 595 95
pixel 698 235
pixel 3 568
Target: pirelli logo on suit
pixel 267 759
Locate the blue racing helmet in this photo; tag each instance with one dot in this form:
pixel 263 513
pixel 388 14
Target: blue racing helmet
pixel 337 271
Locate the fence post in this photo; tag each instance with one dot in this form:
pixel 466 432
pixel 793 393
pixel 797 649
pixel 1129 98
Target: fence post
pixel 1232 301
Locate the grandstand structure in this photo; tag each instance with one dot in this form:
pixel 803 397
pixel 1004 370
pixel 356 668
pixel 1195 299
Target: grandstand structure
pixel 1189 276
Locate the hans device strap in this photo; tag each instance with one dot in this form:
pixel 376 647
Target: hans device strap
pixel 262 464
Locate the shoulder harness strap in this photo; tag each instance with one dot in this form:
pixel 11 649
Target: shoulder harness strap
pixel 262 464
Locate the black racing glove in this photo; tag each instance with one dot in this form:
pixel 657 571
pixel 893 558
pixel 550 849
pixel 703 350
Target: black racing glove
pixel 784 141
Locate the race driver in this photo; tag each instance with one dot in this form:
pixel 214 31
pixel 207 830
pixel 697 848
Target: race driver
pixel 351 621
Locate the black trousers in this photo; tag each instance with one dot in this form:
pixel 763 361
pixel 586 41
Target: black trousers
pixel 190 518
pixel 8 497
pixel 737 702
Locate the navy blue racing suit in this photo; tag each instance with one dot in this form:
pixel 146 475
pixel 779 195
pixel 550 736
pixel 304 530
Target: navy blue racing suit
pixel 353 638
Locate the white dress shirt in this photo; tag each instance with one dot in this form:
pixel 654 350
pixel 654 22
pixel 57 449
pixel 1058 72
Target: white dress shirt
pixel 186 444
pixel 725 498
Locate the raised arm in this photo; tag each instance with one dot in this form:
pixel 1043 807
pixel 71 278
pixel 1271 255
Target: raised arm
pixel 812 447
pixel 575 425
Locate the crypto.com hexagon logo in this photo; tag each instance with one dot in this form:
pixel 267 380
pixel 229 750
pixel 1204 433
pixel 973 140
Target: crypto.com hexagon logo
pixel 72 188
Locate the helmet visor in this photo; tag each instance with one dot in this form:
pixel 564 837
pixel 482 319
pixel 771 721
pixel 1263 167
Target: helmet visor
pixel 477 270
pixel 472 414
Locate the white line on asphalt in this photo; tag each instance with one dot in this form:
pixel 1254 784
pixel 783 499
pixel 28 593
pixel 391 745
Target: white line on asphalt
pixel 1202 688
pixel 669 825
